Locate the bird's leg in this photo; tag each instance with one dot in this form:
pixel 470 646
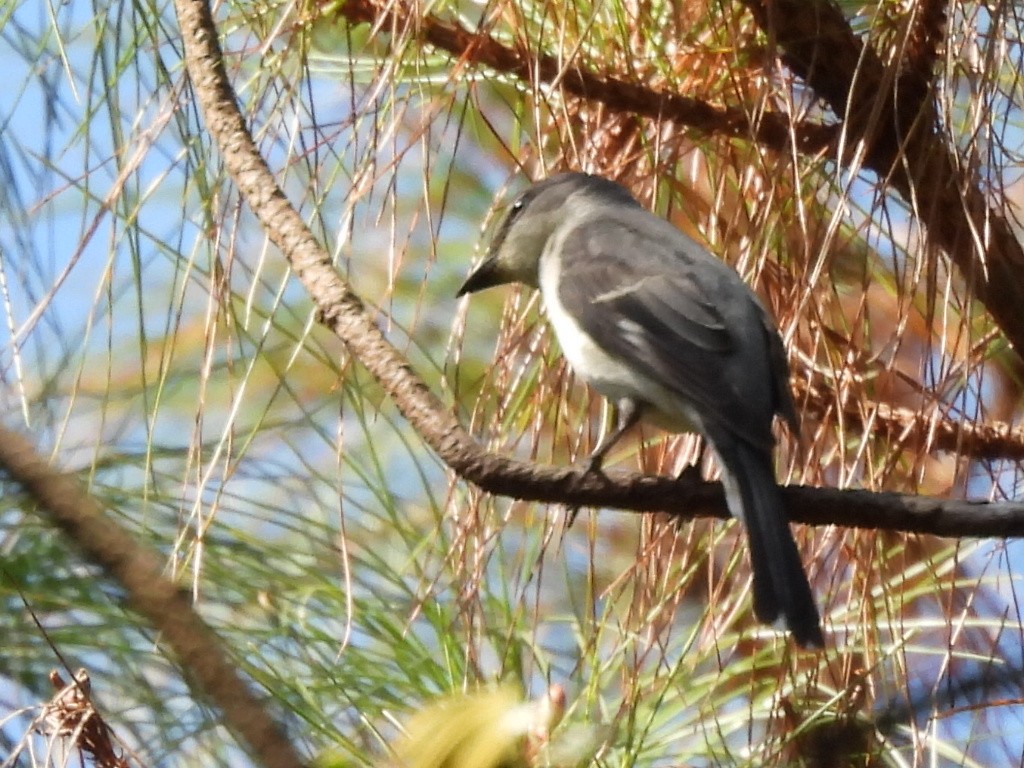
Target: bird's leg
pixel 627 413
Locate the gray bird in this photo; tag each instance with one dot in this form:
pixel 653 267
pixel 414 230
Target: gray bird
pixel 670 334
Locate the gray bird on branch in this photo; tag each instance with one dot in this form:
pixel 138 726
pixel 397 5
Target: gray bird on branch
pixel 670 334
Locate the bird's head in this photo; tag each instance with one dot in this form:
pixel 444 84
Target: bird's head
pixel 515 250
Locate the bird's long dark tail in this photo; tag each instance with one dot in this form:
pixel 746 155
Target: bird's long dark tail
pixel 780 584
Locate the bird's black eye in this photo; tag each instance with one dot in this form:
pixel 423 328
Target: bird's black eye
pixel 517 207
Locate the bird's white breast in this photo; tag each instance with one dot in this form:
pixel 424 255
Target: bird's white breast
pixel 603 372
pixel 611 377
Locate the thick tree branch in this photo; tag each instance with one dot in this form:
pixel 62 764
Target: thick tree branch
pixel 140 571
pixel 893 114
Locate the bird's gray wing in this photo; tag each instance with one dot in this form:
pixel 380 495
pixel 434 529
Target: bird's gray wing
pixel 662 305
pixel 654 299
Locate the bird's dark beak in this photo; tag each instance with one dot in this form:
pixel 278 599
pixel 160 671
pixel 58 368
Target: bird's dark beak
pixel 487 274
